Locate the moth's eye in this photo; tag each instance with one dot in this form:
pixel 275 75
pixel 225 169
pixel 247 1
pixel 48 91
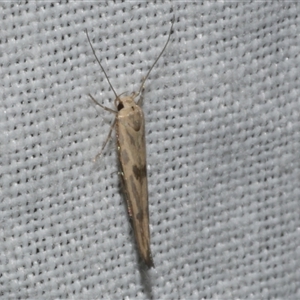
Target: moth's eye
pixel 120 106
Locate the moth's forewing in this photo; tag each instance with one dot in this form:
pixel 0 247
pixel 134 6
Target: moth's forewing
pixel 130 130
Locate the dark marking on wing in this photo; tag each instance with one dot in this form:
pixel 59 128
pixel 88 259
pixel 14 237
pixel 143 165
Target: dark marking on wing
pixel 134 190
pixel 140 215
pixel 139 173
pixel 137 124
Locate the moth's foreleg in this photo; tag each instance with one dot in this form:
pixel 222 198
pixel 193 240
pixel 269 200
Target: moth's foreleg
pixel 106 141
pixel 104 107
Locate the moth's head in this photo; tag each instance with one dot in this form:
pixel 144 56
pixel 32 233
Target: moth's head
pixel 124 102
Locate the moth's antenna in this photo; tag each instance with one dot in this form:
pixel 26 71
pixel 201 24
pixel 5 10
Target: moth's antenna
pixel 117 97
pixel 162 51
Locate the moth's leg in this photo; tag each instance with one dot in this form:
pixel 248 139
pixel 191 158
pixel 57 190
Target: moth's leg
pixel 111 127
pixel 104 107
pixel 106 141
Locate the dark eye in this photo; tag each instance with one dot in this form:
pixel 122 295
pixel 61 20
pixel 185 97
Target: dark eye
pixel 120 106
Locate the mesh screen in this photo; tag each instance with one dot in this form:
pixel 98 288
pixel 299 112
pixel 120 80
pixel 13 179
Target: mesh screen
pixel 222 123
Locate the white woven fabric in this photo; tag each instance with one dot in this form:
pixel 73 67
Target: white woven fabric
pixel 223 120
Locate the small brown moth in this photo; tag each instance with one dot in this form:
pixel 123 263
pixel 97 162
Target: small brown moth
pixel 130 131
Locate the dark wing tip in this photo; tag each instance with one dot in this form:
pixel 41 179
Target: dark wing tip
pixel 149 261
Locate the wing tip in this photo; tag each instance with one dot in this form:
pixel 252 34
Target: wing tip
pixel 149 262
pixel 148 259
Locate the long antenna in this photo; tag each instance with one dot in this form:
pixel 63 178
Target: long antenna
pixel 162 51
pixel 117 97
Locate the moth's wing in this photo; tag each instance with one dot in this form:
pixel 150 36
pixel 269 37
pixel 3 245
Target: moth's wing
pixel 130 129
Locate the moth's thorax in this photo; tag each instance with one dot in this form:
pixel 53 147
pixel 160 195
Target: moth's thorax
pixel 129 113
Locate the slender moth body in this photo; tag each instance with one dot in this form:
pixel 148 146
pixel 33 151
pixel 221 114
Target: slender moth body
pixel 129 125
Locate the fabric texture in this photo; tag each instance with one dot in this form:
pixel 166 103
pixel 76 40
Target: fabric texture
pixel 223 138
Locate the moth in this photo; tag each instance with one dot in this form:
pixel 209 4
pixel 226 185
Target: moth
pixel 129 125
